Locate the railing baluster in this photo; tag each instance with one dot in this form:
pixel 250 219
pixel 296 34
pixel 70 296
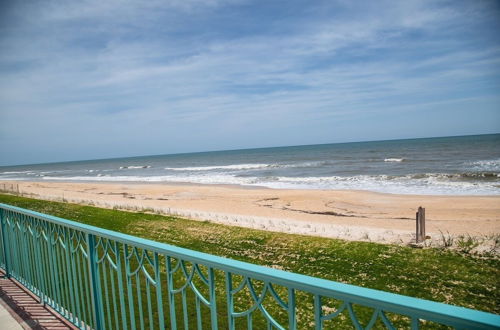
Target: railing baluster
pixel 84 288
pixel 59 275
pixel 65 278
pixel 76 281
pixel 70 277
pixel 415 325
pixel 130 293
pixel 45 263
pixel 139 299
pixel 39 269
pixel 113 296
pixel 106 293
pixel 33 277
pixel 159 296
pixel 95 287
pixel 2 248
pixel 318 322
pixel 150 308
pixel 121 292
pixel 171 296
pixel 198 313
pixel 292 316
pixel 229 300
pixel 184 309
pixel 87 298
pixel 5 240
pixel 53 270
pixel 23 250
pixel 213 298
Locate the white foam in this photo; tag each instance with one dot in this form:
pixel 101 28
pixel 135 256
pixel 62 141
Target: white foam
pixel 134 167
pixel 220 167
pixel 425 184
pixel 429 184
pixel 486 165
pixel 17 172
pixel 203 179
pixel 398 160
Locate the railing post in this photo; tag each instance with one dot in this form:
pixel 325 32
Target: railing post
pixel 292 317
pixel 39 271
pixel 159 300
pixel 213 298
pixel 4 243
pixel 95 284
pixel 229 300
pixel 171 296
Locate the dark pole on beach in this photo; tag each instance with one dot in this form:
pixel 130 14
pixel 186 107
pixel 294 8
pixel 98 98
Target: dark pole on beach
pixel 420 222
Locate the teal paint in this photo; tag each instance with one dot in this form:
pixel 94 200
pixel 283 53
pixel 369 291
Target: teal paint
pixel 101 279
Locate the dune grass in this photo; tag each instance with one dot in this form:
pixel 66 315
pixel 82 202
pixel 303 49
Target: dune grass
pixel 436 274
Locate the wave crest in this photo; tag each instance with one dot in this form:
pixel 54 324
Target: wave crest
pixel 220 167
pixel 486 165
pixel 134 167
pixel 425 184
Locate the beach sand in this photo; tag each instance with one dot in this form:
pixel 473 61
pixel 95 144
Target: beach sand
pixel 352 215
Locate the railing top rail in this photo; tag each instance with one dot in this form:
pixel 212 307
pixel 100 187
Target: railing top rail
pixel 430 310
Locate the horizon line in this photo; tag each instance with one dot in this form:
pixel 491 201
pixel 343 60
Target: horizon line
pixel 254 148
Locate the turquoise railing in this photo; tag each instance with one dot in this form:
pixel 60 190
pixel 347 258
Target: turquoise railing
pixel 101 279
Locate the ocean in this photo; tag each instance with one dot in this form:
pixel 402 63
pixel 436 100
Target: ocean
pixel 464 165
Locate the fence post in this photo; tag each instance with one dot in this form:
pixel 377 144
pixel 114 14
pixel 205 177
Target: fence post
pixel 4 243
pixel 422 217
pixel 95 284
pixel 420 230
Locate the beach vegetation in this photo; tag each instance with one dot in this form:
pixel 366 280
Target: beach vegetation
pixel 467 243
pixel 444 275
pixel 447 239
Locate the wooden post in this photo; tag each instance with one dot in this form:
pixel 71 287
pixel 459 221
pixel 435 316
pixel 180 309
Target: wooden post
pixel 422 218
pixel 417 229
pixel 420 224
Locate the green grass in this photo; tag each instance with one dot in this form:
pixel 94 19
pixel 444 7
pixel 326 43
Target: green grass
pixel 435 274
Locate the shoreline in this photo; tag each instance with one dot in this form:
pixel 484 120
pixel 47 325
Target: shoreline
pixel 236 186
pixel 345 214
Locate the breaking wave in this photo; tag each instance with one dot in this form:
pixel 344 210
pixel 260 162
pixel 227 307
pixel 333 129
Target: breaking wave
pixel 486 165
pixel 426 184
pixel 242 167
pixel 134 167
pixel 16 172
pixel 220 167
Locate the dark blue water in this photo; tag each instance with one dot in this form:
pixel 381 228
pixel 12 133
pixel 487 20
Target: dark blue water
pixel 452 165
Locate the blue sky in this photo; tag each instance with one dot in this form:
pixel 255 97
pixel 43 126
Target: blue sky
pixel 101 79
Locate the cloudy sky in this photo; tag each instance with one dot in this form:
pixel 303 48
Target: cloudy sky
pixel 101 79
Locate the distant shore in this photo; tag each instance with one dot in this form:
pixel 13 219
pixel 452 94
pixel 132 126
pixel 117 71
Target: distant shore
pixel 345 214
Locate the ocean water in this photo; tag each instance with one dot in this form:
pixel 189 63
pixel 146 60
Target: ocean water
pixel 467 165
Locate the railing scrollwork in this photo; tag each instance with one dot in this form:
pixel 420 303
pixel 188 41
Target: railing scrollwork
pixel 100 279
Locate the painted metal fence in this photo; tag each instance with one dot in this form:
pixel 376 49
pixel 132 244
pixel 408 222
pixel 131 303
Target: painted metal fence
pixel 100 279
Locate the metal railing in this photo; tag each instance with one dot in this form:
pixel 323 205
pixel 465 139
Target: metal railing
pixel 101 279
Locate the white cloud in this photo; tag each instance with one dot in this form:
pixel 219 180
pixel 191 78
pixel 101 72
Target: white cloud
pixel 63 77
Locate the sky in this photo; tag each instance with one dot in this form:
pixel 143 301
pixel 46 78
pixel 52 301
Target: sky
pixel 101 79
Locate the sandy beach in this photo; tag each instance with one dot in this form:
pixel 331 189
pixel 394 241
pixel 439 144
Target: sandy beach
pixel 352 215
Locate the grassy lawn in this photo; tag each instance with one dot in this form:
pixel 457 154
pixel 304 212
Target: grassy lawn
pixel 435 274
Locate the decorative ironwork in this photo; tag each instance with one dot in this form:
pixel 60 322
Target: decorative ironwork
pixel 100 279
